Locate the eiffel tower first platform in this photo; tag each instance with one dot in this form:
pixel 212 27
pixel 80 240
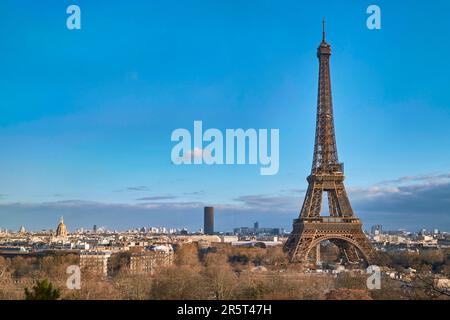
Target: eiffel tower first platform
pixel 341 227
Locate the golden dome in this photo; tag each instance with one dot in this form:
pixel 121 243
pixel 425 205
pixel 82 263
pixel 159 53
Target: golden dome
pixel 61 230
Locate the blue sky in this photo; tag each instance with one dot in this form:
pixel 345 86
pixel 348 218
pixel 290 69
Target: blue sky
pixel 86 116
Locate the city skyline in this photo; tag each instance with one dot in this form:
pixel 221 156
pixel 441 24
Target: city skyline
pixel 90 139
pixel 195 229
pixel 200 229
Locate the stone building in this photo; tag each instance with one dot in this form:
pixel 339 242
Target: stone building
pixel 95 262
pixel 146 262
pixel 61 230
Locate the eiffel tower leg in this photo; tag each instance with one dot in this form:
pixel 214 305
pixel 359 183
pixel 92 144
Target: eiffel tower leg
pixel 366 247
pixel 332 204
pixel 347 252
pixel 300 243
pixel 342 201
pixel 303 247
pixel 313 201
pixel 318 259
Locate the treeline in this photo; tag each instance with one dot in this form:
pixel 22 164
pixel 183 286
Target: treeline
pixel 434 261
pixel 225 272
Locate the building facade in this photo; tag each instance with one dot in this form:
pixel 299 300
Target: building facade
pixel 96 262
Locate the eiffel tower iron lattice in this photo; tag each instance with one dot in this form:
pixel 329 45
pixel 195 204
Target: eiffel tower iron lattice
pixel 341 227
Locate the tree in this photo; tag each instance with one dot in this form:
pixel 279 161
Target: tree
pixel 187 255
pixel 220 277
pixel 21 267
pixel 43 290
pixel 3 266
pixel 119 263
pixel 348 294
pixel 275 256
pixel 391 289
pixel 349 281
pixel 383 259
pixel 178 283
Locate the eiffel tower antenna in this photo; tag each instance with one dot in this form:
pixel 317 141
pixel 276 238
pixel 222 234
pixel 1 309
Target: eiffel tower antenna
pixel 341 227
pixel 323 29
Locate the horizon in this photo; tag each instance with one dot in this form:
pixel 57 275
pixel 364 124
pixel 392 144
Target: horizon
pixel 106 229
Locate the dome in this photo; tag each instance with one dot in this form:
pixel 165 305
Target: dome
pixel 61 230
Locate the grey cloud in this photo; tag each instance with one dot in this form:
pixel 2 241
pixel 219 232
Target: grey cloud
pixel 133 189
pixel 139 188
pixel 269 203
pixel 195 193
pixel 410 207
pixel 293 191
pixel 430 178
pixel 415 198
pixel 156 198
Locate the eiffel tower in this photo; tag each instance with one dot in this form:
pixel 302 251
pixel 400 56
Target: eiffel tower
pixel 341 227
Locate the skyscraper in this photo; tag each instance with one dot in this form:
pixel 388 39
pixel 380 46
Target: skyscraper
pixel 209 220
pixel 376 229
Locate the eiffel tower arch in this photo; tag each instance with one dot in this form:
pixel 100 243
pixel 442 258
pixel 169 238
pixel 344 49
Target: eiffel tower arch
pixel 341 227
pixel 353 244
